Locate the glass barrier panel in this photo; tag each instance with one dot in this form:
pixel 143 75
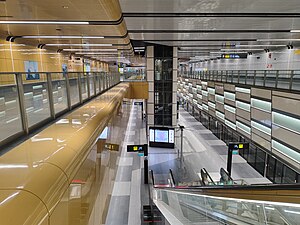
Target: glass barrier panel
pixel 84 88
pixel 36 97
pixel 59 89
pixel 92 84
pixel 74 88
pixel 98 83
pixel 271 78
pixel 296 80
pixel 284 79
pixel 10 119
pixel 236 211
pixel 259 78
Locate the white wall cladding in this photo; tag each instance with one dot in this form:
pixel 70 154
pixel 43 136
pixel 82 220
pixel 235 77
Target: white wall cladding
pixel 265 116
pixel 279 59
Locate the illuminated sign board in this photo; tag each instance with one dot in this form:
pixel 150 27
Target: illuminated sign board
pixel 161 137
pixel 137 148
pixel 235 56
pixel 111 147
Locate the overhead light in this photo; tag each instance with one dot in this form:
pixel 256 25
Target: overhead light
pixel 278 39
pixel 94 53
pixel 267 45
pixel 295 31
pixel 258 49
pixel 43 22
pixel 228 52
pixel 12 44
pixel 99 45
pixel 139 48
pixel 91 49
pixel 64 37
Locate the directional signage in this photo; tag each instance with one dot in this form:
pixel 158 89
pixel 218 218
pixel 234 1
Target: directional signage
pixel 233 149
pixel 234 56
pixel 111 147
pixel 138 148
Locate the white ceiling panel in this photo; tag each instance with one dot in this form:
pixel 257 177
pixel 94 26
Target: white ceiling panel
pixel 207 6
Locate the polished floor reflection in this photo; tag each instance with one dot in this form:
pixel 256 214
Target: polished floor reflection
pixel 201 149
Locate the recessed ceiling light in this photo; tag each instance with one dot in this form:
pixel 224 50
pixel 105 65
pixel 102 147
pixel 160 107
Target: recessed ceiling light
pixel 90 49
pixel 99 45
pixel 43 22
pixel 260 45
pixel 278 39
pixel 65 7
pixel 63 37
pixel 248 49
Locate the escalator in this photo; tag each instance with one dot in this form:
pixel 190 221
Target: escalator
pixel 227 203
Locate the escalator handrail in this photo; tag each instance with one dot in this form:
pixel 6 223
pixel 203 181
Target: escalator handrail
pixel 172 177
pixel 208 176
pixel 152 177
pixel 289 193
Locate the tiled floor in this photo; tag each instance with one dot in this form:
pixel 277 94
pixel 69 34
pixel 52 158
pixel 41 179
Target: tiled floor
pixel 129 191
pixel 201 149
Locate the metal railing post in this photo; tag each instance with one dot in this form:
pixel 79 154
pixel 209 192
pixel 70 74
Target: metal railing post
pixel 50 95
pixel 20 92
pixel 291 80
pixel 68 91
pixel 276 81
pixel 239 74
pixel 265 74
pixel 79 88
pixel 88 84
pixel 246 76
pixel 254 77
pixel 95 87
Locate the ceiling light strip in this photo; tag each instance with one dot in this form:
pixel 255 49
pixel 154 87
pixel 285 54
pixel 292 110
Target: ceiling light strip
pixel 63 37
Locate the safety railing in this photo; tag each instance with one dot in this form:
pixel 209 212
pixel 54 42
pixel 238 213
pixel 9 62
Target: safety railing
pixel 224 209
pixel 133 76
pixel 28 100
pixel 283 79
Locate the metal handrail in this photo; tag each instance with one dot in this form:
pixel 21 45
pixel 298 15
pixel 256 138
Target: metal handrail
pixel 94 83
pixel 282 79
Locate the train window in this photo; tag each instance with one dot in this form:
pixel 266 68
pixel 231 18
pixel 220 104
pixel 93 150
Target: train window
pixel 260 161
pixel 278 172
pixel 289 176
pixel 271 168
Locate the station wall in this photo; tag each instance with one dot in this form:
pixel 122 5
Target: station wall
pixel 280 59
pixel 266 118
pixel 14 55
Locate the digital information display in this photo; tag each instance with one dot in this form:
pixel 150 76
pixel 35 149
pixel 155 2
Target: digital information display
pixel 161 137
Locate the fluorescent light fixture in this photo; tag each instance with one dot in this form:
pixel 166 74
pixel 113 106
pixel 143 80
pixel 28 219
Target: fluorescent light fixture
pixel 43 22
pixel 139 50
pixel 90 49
pixel 227 52
pixel 278 39
pixel 261 45
pixel 248 49
pixel 12 44
pixel 293 212
pixel 95 53
pixel 136 48
pixel 64 37
pixel 295 31
pixel 99 45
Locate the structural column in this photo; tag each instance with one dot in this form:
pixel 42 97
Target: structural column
pixel 162 72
